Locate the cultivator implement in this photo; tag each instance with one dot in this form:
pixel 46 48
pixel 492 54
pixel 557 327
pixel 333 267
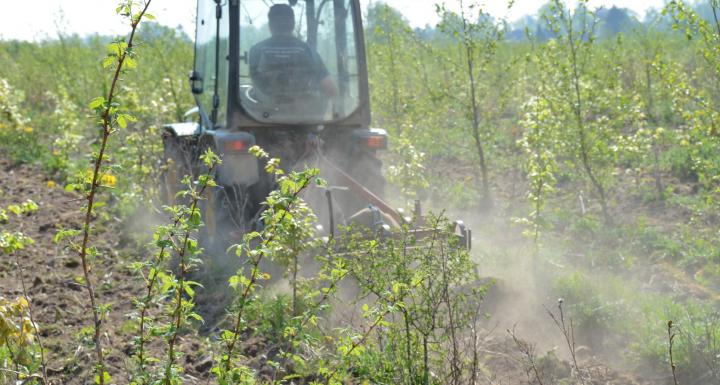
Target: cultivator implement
pixel 385 222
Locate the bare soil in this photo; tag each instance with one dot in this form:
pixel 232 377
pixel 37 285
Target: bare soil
pixel 53 276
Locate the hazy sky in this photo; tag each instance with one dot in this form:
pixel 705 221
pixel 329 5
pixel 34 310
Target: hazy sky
pixel 39 19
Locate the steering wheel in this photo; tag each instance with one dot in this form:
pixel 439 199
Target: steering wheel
pixel 257 103
pixel 246 95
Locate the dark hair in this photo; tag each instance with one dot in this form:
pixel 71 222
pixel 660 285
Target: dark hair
pixel 281 18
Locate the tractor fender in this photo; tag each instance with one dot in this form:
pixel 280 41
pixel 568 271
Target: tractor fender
pixel 182 129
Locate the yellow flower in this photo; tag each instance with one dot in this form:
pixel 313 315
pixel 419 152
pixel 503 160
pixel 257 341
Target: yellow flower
pixel 56 152
pixel 108 180
pixel 51 184
pixel 20 305
pixel 28 129
pixel 27 326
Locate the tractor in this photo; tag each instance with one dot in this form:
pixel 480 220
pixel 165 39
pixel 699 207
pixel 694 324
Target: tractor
pixel 291 77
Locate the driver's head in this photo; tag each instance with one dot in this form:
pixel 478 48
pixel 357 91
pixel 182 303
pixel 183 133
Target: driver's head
pixel 281 19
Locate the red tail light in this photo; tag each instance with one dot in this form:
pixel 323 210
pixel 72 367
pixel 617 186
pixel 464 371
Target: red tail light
pixel 377 142
pixel 236 146
pixel 233 142
pixel 371 139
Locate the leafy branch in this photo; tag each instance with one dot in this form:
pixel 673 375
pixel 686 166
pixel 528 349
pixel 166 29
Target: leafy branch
pixel 280 209
pixel 109 117
pixel 189 223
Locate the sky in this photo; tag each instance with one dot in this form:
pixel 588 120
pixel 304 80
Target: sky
pixel 42 19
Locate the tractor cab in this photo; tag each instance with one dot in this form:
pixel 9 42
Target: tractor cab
pixel 304 66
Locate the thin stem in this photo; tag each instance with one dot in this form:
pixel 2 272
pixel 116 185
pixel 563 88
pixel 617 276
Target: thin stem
pixel 527 351
pixel 714 7
pixel 146 302
pixel 470 54
pixel 426 361
pixel 180 288
pixel 408 347
pixel 671 341
pixel 655 145
pixel 455 370
pixel 540 183
pixel 393 73
pixel 578 108
pixel 177 313
pixel 107 129
pixel 294 285
pixel 151 284
pixel 569 334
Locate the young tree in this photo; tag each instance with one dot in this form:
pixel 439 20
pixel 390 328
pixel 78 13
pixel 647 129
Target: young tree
pixel 584 97
pixel 695 92
pixel 479 35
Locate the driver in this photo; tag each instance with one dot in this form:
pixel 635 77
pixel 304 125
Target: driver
pixel 286 68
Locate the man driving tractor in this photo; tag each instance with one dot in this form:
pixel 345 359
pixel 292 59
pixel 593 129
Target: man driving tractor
pixel 286 69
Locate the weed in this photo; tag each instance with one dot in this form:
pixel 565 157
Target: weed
pixel 528 353
pixel 568 332
pixel 21 346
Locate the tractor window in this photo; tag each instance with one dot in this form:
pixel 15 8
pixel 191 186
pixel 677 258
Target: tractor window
pixel 298 63
pixel 205 57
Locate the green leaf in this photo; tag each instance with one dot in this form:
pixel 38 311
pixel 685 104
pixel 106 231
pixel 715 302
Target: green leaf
pixel 97 103
pixel 15 209
pixel 108 61
pixel 196 317
pixel 122 121
pixel 114 49
pixel 130 63
pixel 106 378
